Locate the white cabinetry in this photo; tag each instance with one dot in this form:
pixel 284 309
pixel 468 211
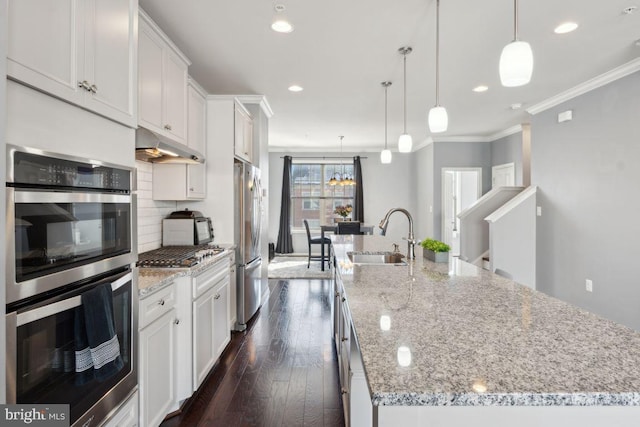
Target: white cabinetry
pixel 162 82
pixel 243 126
pixel 82 51
pixel 180 181
pixel 211 330
pixel 127 415
pixel 157 356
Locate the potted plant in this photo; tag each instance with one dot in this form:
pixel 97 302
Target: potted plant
pixel 435 250
pixel 343 211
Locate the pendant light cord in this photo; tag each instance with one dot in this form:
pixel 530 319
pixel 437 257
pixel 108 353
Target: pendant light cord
pixel 515 20
pixel 386 86
pixel 437 53
pixel 405 92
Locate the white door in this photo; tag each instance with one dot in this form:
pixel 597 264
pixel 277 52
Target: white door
pixel 149 79
pixel 503 175
pixel 203 352
pixel 461 187
pixel 175 97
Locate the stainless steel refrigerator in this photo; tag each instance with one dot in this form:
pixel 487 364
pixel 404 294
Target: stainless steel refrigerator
pixel 248 223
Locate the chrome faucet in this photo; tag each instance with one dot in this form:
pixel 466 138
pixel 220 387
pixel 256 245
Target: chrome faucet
pixel 411 243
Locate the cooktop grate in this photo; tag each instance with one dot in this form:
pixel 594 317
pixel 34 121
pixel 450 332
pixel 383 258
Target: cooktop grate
pixel 176 256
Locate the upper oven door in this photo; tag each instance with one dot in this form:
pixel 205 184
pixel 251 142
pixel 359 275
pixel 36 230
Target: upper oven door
pixel 55 238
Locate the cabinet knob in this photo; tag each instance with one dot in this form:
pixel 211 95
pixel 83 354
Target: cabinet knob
pixel 167 127
pixel 345 339
pixel 176 322
pixel 190 188
pixel 343 299
pixel 84 85
pixel 216 296
pixel 337 294
pixel 161 302
pixel 343 391
pixel 93 88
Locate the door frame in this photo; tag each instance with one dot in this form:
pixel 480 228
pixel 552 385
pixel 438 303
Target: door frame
pixel 442 192
pixel 510 165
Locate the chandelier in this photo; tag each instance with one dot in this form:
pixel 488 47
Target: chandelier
pixel 343 178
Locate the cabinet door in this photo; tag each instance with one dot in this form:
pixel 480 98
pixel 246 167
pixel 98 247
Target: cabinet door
pixel 248 138
pixel 175 97
pixel 110 63
pixel 203 355
pixel 239 129
pixel 157 369
pixel 221 328
pixel 196 139
pixel 149 79
pixel 45 41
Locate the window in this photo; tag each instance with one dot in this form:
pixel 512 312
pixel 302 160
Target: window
pixel 312 198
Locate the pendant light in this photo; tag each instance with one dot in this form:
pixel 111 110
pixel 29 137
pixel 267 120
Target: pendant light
pixel 405 141
pixel 516 60
pixel 438 118
pixel 385 155
pixel 280 23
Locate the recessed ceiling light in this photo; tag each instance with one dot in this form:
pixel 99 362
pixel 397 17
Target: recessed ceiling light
pixel 280 23
pixel 629 10
pixel 481 88
pixel 565 27
pixel 296 88
pixel 516 106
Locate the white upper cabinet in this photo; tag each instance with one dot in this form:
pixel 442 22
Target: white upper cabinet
pixel 243 138
pixel 162 80
pixel 180 181
pixel 82 51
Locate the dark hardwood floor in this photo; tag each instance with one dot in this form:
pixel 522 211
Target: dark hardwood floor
pixel 281 371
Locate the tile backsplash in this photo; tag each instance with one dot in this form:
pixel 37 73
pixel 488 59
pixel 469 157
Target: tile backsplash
pixel 150 212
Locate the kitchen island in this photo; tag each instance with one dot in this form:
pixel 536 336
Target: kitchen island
pixel 451 344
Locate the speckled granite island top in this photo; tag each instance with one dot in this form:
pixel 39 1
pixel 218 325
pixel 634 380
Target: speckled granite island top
pixel 477 339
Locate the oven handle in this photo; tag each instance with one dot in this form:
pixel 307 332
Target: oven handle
pixel 69 197
pixel 60 306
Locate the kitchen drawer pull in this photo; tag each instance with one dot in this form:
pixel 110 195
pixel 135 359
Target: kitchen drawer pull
pixel 93 88
pixel 337 294
pixel 343 391
pixel 216 296
pixel 161 302
pixel 84 85
pixel 343 299
pixel 176 322
pixel 345 339
pixel 167 127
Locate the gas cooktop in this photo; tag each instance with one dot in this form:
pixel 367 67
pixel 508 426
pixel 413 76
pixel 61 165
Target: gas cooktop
pixel 177 256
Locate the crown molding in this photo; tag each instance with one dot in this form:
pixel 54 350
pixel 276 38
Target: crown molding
pixel 151 23
pixel 422 144
pixel 257 99
pixel 506 132
pixel 596 82
pixel 461 139
pixel 196 86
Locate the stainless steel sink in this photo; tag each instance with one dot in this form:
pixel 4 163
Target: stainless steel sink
pixel 377 258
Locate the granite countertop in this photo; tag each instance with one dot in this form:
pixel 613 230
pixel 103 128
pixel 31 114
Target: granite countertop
pixel 476 338
pixel 154 279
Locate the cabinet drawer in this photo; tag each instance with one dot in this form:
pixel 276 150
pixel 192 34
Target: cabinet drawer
pixel 210 277
pixel 156 304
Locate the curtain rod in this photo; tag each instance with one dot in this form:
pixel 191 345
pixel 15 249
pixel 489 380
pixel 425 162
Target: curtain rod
pixel 323 157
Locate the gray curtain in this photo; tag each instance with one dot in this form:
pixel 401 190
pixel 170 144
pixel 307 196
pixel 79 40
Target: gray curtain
pixel 358 206
pixel 285 242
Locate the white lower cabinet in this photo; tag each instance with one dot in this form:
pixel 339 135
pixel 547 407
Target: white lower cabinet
pixel 127 415
pixel 157 356
pixel 211 329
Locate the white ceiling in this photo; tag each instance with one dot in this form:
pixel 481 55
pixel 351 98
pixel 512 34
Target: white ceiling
pixel 341 51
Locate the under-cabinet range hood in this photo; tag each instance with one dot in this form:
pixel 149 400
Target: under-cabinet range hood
pixel 151 147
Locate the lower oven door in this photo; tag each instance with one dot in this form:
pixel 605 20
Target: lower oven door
pixel 42 340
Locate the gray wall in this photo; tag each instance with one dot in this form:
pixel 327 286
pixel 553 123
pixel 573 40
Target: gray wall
pixel 508 150
pixel 423 165
pixel 384 186
pixel 457 155
pixel 588 172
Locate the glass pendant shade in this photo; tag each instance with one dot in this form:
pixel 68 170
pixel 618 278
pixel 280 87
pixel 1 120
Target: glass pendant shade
pixel 438 119
pixel 385 156
pixel 405 143
pixel 516 64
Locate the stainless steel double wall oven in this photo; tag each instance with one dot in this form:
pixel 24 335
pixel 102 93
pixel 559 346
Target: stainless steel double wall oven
pixel 70 224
